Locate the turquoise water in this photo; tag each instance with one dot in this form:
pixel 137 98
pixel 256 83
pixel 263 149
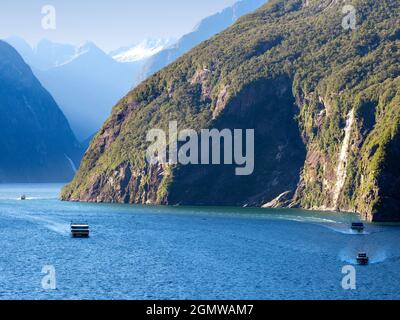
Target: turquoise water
pixel 138 252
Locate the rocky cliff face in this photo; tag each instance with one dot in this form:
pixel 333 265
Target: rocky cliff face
pixel 323 101
pixel 36 142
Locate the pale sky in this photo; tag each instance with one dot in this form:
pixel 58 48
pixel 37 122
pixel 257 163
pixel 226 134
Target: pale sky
pixel 109 23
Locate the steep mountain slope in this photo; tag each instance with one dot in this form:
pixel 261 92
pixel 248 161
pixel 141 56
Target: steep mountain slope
pixel 207 28
pixel 36 142
pixel 323 100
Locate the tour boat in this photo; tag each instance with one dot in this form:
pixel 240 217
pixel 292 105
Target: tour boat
pixel 80 230
pixel 357 226
pixel 362 259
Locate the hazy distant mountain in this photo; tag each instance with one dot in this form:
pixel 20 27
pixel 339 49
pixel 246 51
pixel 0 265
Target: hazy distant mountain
pixel 203 31
pixel 36 142
pixel 87 86
pixel 84 80
pixel 142 50
pixel 45 55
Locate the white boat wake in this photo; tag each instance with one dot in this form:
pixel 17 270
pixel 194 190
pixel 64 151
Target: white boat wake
pixel 349 256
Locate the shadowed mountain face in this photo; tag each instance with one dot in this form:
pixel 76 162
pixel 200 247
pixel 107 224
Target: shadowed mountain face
pixel 36 142
pixel 203 31
pixel 323 101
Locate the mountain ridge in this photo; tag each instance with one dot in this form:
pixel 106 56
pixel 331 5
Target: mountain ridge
pixel 323 102
pixel 204 30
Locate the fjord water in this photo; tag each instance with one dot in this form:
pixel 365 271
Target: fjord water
pixel 138 252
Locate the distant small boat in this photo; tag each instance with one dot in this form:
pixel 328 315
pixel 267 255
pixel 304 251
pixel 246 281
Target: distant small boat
pixel 23 197
pixel 362 259
pixel 80 230
pixel 357 226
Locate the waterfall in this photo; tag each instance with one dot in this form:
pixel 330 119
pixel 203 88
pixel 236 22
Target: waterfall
pixel 343 157
pixel 73 167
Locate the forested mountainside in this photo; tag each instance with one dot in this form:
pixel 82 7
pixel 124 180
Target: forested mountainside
pixel 36 142
pixel 324 102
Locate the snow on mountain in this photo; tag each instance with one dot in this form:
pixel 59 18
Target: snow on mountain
pixel 141 50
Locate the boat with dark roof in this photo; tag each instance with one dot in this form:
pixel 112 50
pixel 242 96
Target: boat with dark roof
pixel 362 259
pixel 80 230
pixel 357 226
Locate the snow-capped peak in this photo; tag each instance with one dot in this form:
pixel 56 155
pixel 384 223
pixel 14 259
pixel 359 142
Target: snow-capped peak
pixel 141 50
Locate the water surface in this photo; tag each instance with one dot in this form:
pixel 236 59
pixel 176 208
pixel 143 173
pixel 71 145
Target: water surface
pixel 138 252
